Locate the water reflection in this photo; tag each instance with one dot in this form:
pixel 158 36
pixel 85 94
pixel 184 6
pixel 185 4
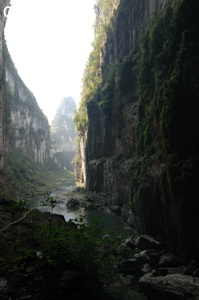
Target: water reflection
pixel 107 221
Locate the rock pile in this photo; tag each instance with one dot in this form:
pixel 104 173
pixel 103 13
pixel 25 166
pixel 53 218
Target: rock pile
pixel 157 272
pixel 89 201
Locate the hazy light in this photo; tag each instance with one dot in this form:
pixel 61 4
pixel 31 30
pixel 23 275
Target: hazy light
pixel 50 43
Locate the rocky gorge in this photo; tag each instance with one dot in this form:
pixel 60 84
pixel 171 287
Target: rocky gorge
pixel 134 264
pixel 137 121
pixel 24 126
pixel 2 104
pixel 27 128
pixel 26 148
pixel 137 156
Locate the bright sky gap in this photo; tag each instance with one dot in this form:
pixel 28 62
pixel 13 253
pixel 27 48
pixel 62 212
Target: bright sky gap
pixel 50 45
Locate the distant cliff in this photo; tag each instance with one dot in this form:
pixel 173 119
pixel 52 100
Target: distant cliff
pixel 137 122
pixel 63 134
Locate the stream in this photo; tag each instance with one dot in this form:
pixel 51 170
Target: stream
pixel 108 221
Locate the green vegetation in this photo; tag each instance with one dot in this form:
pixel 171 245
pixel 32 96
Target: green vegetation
pixel 8 96
pixel 162 73
pixel 167 72
pixel 25 178
pixel 92 78
pixel 37 258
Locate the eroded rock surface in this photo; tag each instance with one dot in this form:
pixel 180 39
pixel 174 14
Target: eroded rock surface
pixel 172 286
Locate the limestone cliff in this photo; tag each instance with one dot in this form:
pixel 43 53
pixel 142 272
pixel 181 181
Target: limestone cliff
pixel 3 4
pixel 27 127
pixel 63 134
pixel 138 118
pixel 23 125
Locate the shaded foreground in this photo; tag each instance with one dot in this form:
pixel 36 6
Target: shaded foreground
pixel 44 257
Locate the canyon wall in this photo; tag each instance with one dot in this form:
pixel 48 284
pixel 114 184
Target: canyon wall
pixel 23 125
pixel 3 4
pixel 63 134
pixel 140 132
pixel 27 127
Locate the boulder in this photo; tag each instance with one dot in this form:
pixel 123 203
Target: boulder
pixel 191 268
pixel 146 268
pixel 131 242
pixel 172 287
pixel 127 280
pixel 73 203
pixel 3 284
pixel 169 260
pixel 130 266
pixel 144 242
pixel 142 256
pixel 166 271
pixel 116 210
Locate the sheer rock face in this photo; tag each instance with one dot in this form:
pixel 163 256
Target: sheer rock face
pixel 172 286
pixel 3 4
pixel 111 142
pixel 80 167
pixel 29 130
pixel 157 195
pixel 63 134
pixel 23 125
pixel 132 19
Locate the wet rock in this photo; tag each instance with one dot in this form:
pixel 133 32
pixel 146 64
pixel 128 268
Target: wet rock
pixel 173 287
pixel 89 201
pixel 166 271
pixel 73 203
pixel 116 210
pixel 127 215
pixel 177 270
pixel 196 273
pixel 191 268
pixel 131 242
pixel 146 268
pixel 142 256
pixel 3 284
pixel 44 218
pixel 169 260
pixel 127 280
pixel 144 242
pixel 130 266
pixel 159 272
pixel 127 228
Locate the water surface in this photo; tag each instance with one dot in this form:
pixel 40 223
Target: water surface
pixel 107 220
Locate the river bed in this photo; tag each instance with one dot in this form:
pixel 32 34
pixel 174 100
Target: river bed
pixel 107 221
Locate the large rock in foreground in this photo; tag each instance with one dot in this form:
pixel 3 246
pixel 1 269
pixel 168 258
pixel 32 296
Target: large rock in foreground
pixel 172 286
